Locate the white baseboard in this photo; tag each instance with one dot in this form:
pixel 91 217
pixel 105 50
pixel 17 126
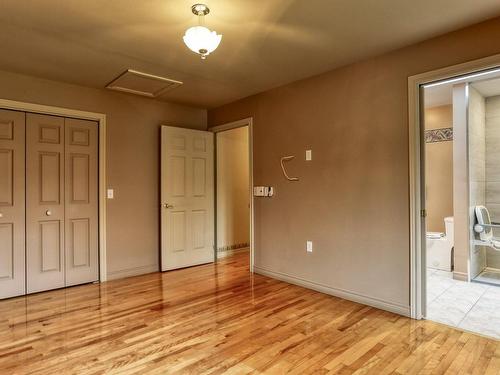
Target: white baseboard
pixel 228 253
pixel 120 274
pixel 341 293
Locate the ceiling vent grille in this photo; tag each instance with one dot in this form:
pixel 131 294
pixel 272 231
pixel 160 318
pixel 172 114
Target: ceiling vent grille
pixel 139 83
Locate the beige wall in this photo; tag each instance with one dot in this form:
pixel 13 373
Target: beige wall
pixel 477 176
pixel 461 209
pixel 352 199
pixel 133 128
pixel 438 170
pixel 233 224
pixel 493 171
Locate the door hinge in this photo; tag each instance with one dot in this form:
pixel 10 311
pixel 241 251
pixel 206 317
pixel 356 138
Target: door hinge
pixel 423 213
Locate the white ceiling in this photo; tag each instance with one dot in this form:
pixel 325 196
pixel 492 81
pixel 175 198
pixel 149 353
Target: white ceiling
pixel 488 85
pixel 488 88
pixel 266 43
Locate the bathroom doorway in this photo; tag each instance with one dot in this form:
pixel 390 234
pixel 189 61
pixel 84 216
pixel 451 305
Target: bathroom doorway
pixel 460 201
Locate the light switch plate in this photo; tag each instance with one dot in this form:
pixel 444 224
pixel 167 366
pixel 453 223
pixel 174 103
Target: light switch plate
pixel 309 246
pixel 258 191
pixel 111 193
pixel 308 155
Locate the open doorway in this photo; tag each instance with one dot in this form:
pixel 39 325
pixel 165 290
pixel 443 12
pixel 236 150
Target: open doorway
pixel 195 180
pixel 233 187
pixel 460 192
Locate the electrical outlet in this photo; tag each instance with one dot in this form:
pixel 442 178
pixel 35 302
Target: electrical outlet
pixel 309 246
pixel 263 191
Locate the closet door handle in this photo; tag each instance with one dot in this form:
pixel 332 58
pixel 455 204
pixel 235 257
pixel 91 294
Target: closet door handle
pixel 48 212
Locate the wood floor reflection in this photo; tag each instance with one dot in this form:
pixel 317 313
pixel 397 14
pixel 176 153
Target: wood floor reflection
pixel 220 319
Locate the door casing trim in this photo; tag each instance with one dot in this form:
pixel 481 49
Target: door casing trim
pixel 415 127
pixel 234 125
pixel 84 115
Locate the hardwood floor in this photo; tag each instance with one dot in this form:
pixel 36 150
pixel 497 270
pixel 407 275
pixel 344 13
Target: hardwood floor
pixel 220 319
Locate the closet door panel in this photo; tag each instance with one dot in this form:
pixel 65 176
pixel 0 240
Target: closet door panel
pixel 82 248
pixel 44 202
pixel 12 203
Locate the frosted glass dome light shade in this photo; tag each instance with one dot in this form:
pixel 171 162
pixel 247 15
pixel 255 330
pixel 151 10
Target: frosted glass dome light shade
pixel 201 40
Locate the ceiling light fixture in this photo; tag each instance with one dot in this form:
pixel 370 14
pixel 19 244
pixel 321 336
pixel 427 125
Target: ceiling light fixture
pixel 200 39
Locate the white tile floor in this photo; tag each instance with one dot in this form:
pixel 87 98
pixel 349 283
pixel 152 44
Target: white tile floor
pixel 471 306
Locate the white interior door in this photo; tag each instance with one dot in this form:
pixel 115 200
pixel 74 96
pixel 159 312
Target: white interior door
pixel 12 207
pixel 81 201
pixel 44 202
pixel 187 197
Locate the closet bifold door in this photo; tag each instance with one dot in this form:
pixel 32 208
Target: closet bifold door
pixel 44 202
pixel 12 203
pixel 81 218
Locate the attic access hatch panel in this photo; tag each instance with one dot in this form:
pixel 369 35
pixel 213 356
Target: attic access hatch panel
pixel 144 84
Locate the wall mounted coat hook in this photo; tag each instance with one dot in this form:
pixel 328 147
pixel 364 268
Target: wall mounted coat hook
pixel 283 159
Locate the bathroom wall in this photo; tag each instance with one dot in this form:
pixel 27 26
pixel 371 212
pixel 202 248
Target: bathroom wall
pixel 461 208
pixel 477 171
pixel 233 190
pixel 438 166
pixel 493 171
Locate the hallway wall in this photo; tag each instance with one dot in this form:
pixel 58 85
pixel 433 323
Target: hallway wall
pixel 233 214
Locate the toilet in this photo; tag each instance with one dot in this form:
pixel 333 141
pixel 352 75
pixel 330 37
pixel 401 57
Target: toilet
pixel 440 247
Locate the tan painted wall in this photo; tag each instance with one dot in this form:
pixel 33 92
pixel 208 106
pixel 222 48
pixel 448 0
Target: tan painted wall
pixel 438 170
pixel 133 128
pixel 352 199
pixel 233 224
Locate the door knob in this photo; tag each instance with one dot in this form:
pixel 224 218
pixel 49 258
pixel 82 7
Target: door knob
pixel 1 215
pixel 48 212
pixel 166 205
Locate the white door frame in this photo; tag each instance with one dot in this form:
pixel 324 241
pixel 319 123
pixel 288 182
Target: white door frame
pixel 101 120
pixel 233 125
pixel 417 268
